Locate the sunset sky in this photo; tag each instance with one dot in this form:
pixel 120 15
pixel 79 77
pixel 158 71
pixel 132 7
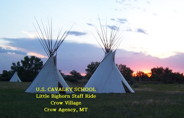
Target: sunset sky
pixel 152 31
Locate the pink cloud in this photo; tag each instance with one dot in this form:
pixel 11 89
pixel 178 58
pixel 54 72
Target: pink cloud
pixel 36 54
pixel 141 62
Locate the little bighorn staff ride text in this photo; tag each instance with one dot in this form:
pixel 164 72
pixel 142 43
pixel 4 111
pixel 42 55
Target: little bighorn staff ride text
pixel 58 96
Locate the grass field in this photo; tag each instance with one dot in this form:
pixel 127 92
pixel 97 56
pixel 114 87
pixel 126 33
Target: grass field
pixel 149 101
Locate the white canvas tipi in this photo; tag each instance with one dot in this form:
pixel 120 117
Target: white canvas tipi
pixel 15 78
pixel 107 78
pixel 49 76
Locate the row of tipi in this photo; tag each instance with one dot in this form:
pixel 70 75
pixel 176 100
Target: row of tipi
pixel 106 79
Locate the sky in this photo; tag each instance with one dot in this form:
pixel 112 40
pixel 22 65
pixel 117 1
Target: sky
pixel 151 31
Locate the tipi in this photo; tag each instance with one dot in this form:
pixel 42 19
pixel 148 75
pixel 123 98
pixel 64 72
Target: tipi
pixel 49 76
pixel 15 78
pixel 107 78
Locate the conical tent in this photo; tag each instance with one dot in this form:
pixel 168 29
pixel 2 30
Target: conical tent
pixel 49 76
pixel 15 78
pixel 107 77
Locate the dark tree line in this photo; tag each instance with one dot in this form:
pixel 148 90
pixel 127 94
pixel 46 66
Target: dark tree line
pixel 161 75
pixel 158 74
pixel 29 67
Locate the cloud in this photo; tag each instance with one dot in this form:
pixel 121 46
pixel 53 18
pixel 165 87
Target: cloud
pixel 120 1
pixel 28 44
pixel 112 19
pixel 22 46
pixel 9 50
pixel 112 27
pixel 139 30
pixel 122 20
pixel 146 62
pixel 31 35
pixel 36 54
pixel 76 56
pixel 14 50
pixel 119 20
pixel 77 33
pixel 138 61
pixel 90 24
pixel 129 30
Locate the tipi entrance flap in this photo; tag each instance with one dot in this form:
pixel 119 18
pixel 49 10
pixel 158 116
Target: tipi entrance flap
pixel 125 82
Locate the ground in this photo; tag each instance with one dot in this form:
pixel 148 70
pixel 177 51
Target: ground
pixel 149 101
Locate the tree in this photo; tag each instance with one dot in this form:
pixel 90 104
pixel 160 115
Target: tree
pixel 6 75
pixel 27 68
pixel 91 69
pixel 76 75
pixel 141 76
pixel 126 72
pixel 178 77
pixel 164 75
pixel 157 73
pixel 167 77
